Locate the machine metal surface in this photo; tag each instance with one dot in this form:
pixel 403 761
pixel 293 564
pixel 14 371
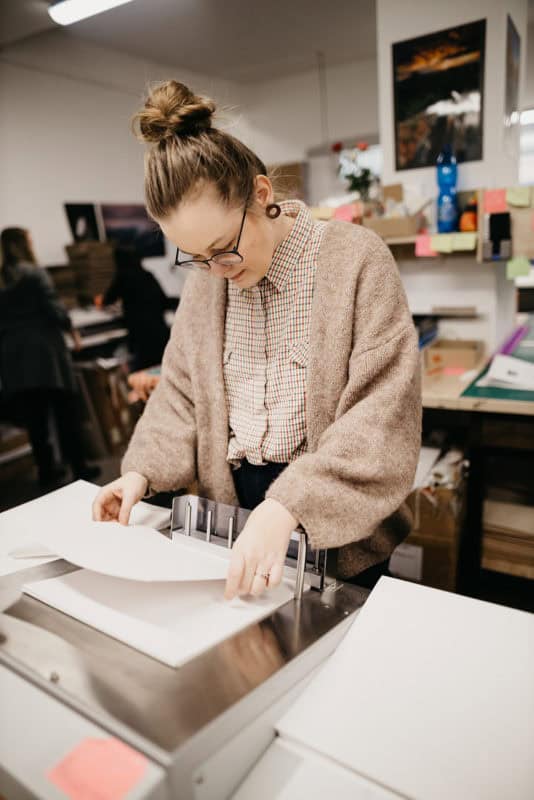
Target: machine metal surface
pixel 157 708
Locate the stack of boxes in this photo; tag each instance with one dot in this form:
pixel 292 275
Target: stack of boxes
pixel 93 264
pixel 430 553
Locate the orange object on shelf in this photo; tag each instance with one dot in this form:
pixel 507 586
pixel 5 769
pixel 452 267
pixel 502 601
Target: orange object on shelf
pixel 468 219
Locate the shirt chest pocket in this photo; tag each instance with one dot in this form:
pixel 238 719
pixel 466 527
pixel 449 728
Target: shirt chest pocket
pixel 288 379
pixel 299 353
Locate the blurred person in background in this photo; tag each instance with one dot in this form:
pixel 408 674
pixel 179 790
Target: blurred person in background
pixel 144 304
pixel 36 376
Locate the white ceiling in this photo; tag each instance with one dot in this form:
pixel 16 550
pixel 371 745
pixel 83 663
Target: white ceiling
pixel 241 40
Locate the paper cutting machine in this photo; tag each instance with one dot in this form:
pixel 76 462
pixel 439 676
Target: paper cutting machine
pixel 201 726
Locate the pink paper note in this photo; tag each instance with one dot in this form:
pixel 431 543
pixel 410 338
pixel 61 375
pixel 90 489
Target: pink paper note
pixel 453 370
pixel 98 769
pixel 423 246
pixel 346 212
pixel 495 201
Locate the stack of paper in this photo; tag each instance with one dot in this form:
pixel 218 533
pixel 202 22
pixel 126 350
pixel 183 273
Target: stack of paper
pixel 430 695
pixel 170 621
pixel 507 372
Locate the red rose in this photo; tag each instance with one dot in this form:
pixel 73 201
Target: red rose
pixel 362 145
pixel 337 147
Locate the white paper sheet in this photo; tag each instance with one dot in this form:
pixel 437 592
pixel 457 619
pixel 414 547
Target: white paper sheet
pixel 172 622
pixel 430 694
pixel 290 772
pixel 510 373
pixel 134 552
pixel 23 526
pixel 427 458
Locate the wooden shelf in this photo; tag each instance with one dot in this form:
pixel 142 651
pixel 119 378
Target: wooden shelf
pixel 452 312
pixel 401 240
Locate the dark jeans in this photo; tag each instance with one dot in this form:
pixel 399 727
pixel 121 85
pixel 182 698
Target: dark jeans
pixel 251 483
pixel 32 410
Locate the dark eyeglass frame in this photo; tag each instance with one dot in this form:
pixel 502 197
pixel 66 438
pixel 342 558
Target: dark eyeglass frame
pixel 205 263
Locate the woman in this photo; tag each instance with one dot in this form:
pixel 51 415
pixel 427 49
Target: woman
pixel 36 376
pixel 144 303
pixel 291 381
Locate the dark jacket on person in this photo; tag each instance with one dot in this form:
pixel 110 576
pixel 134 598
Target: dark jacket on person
pixel 143 302
pixel 33 353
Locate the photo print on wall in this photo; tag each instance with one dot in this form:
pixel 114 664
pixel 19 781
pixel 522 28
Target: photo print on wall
pixel 130 225
pixel 438 95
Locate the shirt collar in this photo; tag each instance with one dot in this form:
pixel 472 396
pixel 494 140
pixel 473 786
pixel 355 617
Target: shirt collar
pixel 287 254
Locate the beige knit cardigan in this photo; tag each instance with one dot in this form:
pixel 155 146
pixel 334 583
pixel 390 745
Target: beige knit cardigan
pixel 363 404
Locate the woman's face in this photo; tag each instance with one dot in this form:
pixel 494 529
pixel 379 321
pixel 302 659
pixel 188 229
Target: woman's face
pixel 203 225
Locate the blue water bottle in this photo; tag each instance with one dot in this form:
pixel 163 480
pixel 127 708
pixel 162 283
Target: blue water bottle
pixel 447 175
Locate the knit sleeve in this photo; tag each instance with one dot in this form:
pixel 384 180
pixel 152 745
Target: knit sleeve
pixel 364 464
pixel 163 445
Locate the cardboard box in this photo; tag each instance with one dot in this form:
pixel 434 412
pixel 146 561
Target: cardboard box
pixel 454 353
pixel 430 553
pixel 393 227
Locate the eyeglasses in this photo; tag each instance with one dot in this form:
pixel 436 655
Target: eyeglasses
pixel 226 258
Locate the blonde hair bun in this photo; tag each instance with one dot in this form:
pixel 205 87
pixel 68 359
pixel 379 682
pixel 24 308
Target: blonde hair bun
pixel 171 109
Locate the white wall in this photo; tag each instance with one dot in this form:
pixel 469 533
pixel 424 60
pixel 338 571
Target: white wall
pixel 419 17
pixel 528 89
pixel 460 281
pixel 65 109
pixel 283 117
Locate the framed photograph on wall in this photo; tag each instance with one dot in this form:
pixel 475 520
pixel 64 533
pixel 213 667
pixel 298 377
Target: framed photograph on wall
pixel 511 97
pixel 438 95
pixel 129 224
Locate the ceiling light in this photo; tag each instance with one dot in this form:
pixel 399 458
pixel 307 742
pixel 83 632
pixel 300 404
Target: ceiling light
pixel 66 12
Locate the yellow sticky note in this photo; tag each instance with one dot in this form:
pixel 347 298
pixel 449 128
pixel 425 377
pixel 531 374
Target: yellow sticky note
pixel 518 196
pixel 441 242
pixel 517 267
pixel 464 241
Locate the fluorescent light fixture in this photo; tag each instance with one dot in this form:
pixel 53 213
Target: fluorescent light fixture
pixel 527 116
pixel 68 11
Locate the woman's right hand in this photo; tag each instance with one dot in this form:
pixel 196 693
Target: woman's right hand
pixel 115 501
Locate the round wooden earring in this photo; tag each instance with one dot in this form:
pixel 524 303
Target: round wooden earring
pixel 273 210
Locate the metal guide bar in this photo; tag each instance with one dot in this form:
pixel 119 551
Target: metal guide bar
pixel 221 524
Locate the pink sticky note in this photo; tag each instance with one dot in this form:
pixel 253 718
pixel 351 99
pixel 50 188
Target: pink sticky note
pixel 423 246
pixel 495 201
pixel 98 769
pixel 453 370
pixel 346 212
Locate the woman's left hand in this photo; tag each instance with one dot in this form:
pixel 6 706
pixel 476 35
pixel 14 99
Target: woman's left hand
pixel 260 550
